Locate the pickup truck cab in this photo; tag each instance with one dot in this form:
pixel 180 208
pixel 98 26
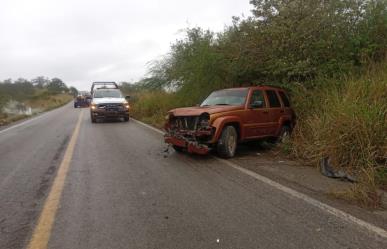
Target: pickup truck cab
pixel 229 116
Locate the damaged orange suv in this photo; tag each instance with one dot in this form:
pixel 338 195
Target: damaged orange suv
pixel 227 117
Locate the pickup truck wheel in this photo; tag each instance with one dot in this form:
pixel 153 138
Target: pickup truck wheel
pixel 178 148
pixel 93 120
pixel 227 143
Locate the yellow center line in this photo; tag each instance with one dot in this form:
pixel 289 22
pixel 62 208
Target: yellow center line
pixel 42 231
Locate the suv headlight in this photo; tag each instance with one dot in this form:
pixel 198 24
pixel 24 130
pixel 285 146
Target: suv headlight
pixel 204 120
pixel 93 106
pixel 126 105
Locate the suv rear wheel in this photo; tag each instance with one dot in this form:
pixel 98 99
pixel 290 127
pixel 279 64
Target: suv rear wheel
pixel 284 134
pixel 282 137
pixel 227 143
pixel 126 119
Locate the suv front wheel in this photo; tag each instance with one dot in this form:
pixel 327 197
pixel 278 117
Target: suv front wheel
pixel 227 143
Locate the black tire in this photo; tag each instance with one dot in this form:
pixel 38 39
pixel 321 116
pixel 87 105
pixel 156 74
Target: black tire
pixel 93 120
pixel 284 134
pixel 227 143
pixel 126 119
pixel 178 148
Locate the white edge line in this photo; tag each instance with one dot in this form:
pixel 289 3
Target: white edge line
pixel 149 126
pixel 325 207
pixel 30 119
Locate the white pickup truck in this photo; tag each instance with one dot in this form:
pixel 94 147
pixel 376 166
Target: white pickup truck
pixel 108 102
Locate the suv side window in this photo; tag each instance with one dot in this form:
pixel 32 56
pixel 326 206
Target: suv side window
pixel 257 95
pixel 273 99
pixel 284 98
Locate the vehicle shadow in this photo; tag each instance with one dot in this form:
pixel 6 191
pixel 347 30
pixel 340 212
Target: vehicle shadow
pixel 244 150
pixel 253 148
pixel 110 121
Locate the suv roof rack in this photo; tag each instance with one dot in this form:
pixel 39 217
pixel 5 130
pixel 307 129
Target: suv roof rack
pixel 103 84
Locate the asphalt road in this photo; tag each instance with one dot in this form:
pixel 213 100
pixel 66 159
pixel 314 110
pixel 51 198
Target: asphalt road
pixel 123 191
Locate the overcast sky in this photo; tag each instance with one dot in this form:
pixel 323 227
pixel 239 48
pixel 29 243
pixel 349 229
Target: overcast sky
pixel 81 41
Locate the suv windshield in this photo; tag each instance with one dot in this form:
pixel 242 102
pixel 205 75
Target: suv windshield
pixel 107 93
pixel 226 97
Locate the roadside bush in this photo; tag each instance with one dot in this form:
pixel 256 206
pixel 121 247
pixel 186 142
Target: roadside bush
pixel 319 50
pixel 152 106
pixel 45 101
pixel 345 120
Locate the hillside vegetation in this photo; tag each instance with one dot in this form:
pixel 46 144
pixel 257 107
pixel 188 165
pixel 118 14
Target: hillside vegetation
pixel 21 98
pixel 330 55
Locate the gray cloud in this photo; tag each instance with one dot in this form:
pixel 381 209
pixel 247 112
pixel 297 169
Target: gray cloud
pixel 85 40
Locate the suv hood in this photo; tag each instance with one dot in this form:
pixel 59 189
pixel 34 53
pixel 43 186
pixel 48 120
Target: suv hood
pixel 108 100
pixel 196 111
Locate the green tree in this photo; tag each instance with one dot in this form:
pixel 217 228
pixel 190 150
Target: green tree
pixel 73 91
pixel 56 85
pixel 40 82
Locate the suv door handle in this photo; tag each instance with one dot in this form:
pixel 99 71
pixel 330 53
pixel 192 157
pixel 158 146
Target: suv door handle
pixel 282 111
pixel 266 112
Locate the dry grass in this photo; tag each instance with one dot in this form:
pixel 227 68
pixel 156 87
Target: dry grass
pixel 346 121
pixel 42 102
pixel 364 195
pixel 7 119
pixel 152 106
pixel 47 102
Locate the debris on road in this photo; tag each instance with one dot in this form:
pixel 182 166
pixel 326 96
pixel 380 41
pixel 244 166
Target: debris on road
pixel 327 170
pixel 166 151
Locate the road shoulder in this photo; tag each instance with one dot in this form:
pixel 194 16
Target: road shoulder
pixel 302 179
pixel 305 179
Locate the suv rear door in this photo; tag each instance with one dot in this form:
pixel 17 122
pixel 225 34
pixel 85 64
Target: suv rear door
pixel 288 114
pixel 276 110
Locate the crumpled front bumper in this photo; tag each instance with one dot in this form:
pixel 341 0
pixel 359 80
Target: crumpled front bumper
pixel 190 146
pixel 194 141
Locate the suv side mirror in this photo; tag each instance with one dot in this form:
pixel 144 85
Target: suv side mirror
pixel 127 97
pixel 257 104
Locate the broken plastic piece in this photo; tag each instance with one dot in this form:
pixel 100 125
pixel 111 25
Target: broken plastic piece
pixel 327 170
